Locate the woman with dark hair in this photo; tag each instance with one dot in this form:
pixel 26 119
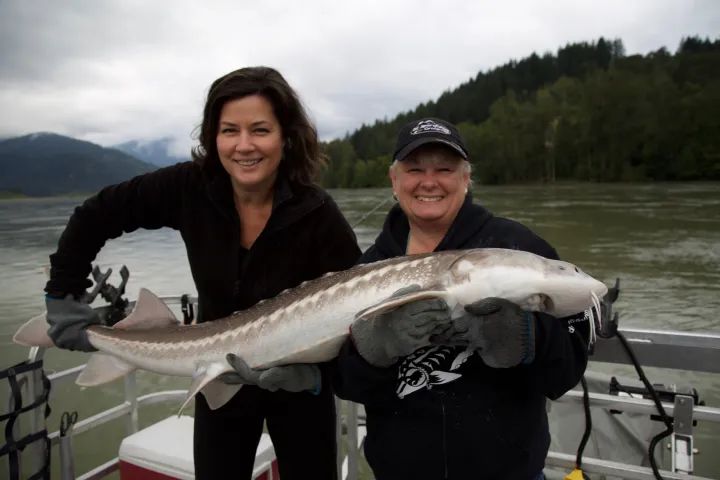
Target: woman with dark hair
pixel 254 224
pixel 303 156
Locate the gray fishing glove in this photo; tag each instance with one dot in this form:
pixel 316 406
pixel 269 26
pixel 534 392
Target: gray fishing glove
pixel 384 339
pixel 501 332
pixel 68 319
pixel 293 378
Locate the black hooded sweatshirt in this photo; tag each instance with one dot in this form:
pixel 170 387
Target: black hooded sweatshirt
pixel 439 414
pixel 305 236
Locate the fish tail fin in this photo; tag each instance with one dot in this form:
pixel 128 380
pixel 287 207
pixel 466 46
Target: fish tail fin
pixel 33 333
pixel 149 312
pixel 103 368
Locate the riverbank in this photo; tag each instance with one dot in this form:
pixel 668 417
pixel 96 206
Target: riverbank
pixel 5 195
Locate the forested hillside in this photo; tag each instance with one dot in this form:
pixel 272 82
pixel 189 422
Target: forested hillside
pixel 587 113
pixel 43 164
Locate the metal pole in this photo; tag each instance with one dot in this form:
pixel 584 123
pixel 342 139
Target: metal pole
pixel 338 436
pixel 131 400
pixel 67 456
pixel 36 450
pixel 682 436
pixel 352 441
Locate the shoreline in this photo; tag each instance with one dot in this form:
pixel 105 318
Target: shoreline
pixel 4 195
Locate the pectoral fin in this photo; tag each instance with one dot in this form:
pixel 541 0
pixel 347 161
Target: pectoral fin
pixel 394 302
pixel 214 394
pixel 218 393
pixel 103 368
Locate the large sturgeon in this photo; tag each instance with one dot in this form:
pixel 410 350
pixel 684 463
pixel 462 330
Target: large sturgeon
pixel 308 323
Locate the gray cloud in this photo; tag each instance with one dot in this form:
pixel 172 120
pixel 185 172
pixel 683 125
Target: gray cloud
pixel 114 71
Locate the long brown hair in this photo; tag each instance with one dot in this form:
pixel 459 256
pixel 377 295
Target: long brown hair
pixel 302 158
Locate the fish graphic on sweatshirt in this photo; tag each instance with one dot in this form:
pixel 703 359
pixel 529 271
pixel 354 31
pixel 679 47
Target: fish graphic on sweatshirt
pixel 429 366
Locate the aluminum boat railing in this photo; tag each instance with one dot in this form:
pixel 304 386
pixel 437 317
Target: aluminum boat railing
pixel 667 349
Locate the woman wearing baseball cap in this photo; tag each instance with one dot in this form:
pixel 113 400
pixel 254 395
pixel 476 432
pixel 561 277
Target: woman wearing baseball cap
pixel 455 398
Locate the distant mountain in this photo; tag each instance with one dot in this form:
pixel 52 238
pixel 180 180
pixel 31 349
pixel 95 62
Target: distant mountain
pixel 49 164
pixel 155 152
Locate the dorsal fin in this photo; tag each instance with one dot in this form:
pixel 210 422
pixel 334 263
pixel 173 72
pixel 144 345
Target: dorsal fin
pixel 149 312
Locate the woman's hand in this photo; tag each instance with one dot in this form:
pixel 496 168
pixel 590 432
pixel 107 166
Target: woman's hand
pixel 293 378
pixel 68 319
pixel 502 333
pixel 384 339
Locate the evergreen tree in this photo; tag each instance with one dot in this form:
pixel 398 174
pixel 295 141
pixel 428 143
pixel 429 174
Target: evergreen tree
pixel 588 113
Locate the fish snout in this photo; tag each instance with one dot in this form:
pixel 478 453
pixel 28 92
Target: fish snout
pixel 567 268
pixel 600 289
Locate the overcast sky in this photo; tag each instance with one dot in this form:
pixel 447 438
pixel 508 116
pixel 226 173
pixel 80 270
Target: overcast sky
pixel 112 71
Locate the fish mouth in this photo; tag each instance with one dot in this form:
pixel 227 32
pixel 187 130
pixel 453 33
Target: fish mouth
pixel 547 302
pixel 539 302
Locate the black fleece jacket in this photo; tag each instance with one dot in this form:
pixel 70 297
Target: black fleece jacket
pixel 439 415
pixel 305 237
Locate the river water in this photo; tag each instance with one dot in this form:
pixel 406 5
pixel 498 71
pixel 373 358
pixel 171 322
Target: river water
pixel 661 240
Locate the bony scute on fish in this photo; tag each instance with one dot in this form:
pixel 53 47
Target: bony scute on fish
pixel 309 323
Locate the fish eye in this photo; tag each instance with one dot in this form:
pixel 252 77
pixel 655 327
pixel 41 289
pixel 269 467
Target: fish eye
pixel 416 376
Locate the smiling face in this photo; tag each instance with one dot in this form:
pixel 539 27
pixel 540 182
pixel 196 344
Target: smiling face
pixel 250 143
pixel 430 184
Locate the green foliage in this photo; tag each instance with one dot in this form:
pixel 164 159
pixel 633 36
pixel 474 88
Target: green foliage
pixel 588 113
pixel 341 160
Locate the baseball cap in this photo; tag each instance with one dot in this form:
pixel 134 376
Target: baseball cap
pixel 428 130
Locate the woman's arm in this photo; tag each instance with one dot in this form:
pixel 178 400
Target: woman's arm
pixel 151 201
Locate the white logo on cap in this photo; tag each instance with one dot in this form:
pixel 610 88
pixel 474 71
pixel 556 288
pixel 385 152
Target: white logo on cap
pixel 429 126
